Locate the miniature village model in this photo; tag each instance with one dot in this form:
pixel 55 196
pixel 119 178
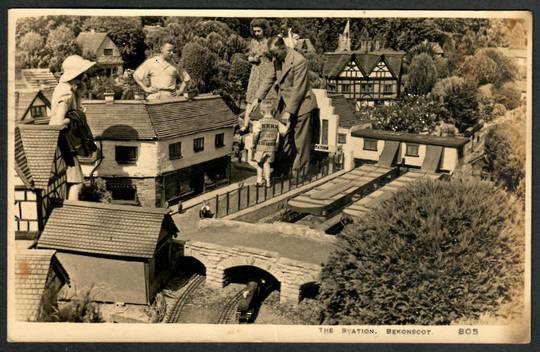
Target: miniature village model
pixel 174 228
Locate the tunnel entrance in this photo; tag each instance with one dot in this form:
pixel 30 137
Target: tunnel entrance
pixel 244 273
pixel 309 290
pixel 190 266
pixel 259 284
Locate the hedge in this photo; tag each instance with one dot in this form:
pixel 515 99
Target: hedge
pixel 437 251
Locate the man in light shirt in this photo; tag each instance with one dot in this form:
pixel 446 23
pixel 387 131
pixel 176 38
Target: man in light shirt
pixel 162 75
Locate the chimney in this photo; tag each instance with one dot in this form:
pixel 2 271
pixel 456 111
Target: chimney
pixel 109 97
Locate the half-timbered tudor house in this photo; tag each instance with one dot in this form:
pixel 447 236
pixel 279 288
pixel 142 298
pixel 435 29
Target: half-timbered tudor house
pixel 155 153
pixel 39 277
pixel 107 55
pixel 40 179
pixel 32 106
pixel 370 75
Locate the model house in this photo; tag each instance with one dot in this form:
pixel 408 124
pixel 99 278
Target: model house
pixel 122 252
pixel 425 152
pixel 101 49
pixel 39 276
pixel 32 106
pixel 40 178
pixel 155 153
pixel 370 75
pixel 36 79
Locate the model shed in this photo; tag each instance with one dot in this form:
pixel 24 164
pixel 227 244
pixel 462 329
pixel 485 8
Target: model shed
pixel 123 252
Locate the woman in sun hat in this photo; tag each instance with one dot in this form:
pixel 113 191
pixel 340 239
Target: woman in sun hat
pixel 66 110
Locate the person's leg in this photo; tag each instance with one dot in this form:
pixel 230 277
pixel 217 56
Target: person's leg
pixel 302 140
pixel 267 172
pixel 259 173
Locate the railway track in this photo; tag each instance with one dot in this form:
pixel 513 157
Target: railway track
pixel 228 313
pixel 195 281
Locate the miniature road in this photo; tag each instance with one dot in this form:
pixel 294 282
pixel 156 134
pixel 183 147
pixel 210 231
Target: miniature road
pixel 267 237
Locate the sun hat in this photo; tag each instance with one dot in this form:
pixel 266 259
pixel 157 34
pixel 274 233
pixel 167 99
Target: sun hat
pixel 73 66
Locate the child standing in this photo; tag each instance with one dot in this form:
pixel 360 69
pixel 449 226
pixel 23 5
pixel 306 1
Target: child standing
pixel 266 134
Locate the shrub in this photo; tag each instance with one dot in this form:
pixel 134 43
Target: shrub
pixel 460 101
pixel 95 192
pixel 508 95
pixel 412 113
pixel 80 309
pixel 505 156
pixel 422 75
pixel 437 251
pixel 489 65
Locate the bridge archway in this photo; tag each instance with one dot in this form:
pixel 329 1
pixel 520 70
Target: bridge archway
pixel 191 265
pixel 309 290
pixel 251 262
pixel 244 273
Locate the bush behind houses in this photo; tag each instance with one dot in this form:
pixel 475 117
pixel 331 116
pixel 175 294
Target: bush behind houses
pixel 436 252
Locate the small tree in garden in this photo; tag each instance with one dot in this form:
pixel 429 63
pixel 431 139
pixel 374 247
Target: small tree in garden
pixel 505 155
pixel 200 63
pixel 508 95
pixel 422 75
pixel 436 252
pixel 412 113
pixel 459 100
pixel 488 65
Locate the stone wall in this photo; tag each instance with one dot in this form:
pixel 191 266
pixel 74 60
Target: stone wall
pixel 146 191
pixel 291 274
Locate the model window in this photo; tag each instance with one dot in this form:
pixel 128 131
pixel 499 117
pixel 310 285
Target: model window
pixel 198 144
pixel 367 87
pixel 370 144
pixel 220 140
pixel 122 191
pixel 108 52
pixel 342 138
pixel 125 155
pixel 38 111
pixel 175 151
pixel 388 88
pixel 411 150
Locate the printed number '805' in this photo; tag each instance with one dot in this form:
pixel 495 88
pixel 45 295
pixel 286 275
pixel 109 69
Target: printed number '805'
pixel 468 331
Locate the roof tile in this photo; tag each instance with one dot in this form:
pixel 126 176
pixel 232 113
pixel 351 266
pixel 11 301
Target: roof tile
pixel 98 228
pixel 38 143
pixel 31 270
pixel 143 120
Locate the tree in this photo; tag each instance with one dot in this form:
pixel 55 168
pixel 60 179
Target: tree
pixel 240 70
pixel 61 43
pixel 508 95
pixel 459 100
pixel 489 66
pixel 412 113
pixel 505 156
pixel 422 75
pixel 30 51
pixel 201 64
pixel 125 32
pixel 434 253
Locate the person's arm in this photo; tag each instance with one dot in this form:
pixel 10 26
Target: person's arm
pixel 266 84
pixel 184 80
pixel 140 74
pixel 252 55
pixel 60 116
pixel 298 90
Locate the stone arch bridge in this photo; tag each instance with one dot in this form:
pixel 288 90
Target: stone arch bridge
pixel 292 274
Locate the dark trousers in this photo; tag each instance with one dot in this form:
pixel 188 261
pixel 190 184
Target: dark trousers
pixel 295 147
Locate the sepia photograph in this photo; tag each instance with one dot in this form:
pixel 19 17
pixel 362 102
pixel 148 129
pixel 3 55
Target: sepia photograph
pixel 269 176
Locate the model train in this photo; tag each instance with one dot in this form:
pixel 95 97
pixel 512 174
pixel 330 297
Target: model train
pixel 250 301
